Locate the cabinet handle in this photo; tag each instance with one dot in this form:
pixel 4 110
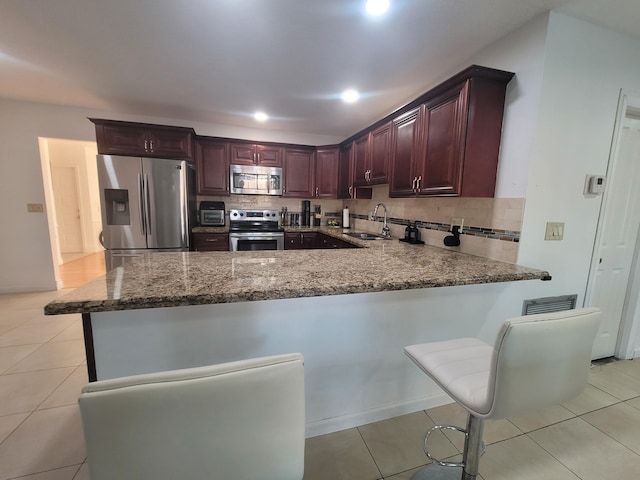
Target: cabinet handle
pixel 146 145
pixel 419 180
pixel 413 183
pixel 351 192
pixel 211 240
pixel 316 191
pixel 255 158
pixel 151 145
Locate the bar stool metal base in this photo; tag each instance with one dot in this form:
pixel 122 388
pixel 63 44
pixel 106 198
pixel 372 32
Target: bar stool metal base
pixel 438 472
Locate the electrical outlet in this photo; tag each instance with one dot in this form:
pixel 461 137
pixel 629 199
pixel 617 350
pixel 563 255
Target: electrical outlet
pixel 457 221
pixel 554 231
pixel 35 207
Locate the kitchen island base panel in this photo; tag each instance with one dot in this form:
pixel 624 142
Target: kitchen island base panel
pixel 355 368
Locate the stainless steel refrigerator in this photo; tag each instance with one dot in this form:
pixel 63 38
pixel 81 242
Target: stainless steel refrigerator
pixel 148 204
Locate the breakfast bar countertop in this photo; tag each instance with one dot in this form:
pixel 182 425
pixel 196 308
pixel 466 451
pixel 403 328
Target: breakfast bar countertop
pixel 158 280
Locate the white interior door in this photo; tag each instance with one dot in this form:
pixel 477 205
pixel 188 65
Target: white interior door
pixel 618 238
pixel 65 192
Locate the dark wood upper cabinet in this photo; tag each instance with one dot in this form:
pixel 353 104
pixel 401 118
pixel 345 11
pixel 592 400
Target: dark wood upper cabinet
pixel 345 185
pixel 361 160
pixel 145 140
pixel 449 145
pixel 298 171
pixel 406 153
pixel 445 132
pixel 326 173
pixel 253 154
pixel 212 166
pixel 371 155
pixel 380 144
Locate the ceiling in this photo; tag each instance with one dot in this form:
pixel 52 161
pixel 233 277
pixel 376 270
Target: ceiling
pixel 218 61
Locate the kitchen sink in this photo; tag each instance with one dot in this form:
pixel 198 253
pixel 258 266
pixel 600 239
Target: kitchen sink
pixel 367 236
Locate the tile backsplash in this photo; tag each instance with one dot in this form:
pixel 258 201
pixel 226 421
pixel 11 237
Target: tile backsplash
pixel 491 225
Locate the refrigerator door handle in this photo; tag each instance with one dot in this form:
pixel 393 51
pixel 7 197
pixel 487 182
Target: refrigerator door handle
pixel 147 203
pixel 141 202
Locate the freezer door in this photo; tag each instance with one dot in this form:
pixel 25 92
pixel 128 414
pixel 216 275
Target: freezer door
pixel 166 198
pixel 123 215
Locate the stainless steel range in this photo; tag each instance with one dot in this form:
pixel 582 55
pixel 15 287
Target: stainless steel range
pixel 251 230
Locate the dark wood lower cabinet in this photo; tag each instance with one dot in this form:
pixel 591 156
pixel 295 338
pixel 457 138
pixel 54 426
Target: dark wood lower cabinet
pixel 308 240
pixel 211 242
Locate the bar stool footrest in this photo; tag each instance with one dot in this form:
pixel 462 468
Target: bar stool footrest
pixel 437 460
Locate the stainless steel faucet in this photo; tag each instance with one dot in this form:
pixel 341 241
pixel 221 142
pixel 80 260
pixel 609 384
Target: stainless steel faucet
pixel 386 232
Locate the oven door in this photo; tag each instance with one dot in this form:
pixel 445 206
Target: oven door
pixel 255 241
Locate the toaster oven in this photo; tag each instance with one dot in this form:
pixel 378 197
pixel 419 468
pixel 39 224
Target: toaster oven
pixel 212 214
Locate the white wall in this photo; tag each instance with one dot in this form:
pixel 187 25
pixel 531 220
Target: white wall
pixel 558 126
pixel 25 252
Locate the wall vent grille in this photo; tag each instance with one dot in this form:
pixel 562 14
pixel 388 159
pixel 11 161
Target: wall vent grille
pixel 549 304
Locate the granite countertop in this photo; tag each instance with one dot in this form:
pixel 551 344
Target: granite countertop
pixel 195 278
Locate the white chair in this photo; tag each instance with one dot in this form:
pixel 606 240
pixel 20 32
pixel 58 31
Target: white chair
pixel 536 361
pixel 242 420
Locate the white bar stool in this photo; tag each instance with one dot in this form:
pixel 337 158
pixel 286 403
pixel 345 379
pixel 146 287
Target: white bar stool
pixel 536 361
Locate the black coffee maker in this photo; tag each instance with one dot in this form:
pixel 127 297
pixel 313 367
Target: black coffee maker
pixel 412 234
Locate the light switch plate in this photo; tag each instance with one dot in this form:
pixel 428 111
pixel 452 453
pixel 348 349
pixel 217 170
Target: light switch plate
pixel 554 231
pixel 35 207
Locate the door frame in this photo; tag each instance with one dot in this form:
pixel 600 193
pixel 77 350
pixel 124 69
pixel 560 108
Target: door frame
pixel 625 348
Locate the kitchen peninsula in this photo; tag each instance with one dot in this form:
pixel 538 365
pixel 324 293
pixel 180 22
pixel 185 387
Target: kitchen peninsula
pixel 349 311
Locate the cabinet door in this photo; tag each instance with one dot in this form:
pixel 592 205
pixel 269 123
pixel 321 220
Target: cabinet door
pixel 361 161
pixel 211 242
pixel 242 154
pixel 406 153
pixel 212 167
pixel 326 173
pixel 292 241
pixel 298 169
pixel 121 140
pixel 345 186
pixel 309 240
pixel 167 142
pixel 268 156
pixel 380 154
pixel 444 143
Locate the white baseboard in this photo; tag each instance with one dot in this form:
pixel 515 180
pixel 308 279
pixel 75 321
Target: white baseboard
pixel 48 287
pixel 330 425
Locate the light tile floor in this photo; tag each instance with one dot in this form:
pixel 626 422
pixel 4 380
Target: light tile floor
pixel 42 369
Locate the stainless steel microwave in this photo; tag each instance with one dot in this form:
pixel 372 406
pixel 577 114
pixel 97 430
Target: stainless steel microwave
pixel 256 180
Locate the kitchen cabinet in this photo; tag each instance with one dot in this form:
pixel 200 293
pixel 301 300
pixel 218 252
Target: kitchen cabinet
pixel 444 135
pixel 448 144
pixel 406 158
pixel 308 240
pixel 243 153
pixel 361 160
pixel 371 154
pixel 300 240
pixel 326 173
pixel 380 145
pixel 298 172
pixel 212 167
pixel 327 241
pixel 211 242
pixel 144 140
pixel 346 189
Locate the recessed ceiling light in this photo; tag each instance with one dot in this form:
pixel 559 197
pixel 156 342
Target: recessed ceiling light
pixel 377 7
pixel 261 116
pixel 350 96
